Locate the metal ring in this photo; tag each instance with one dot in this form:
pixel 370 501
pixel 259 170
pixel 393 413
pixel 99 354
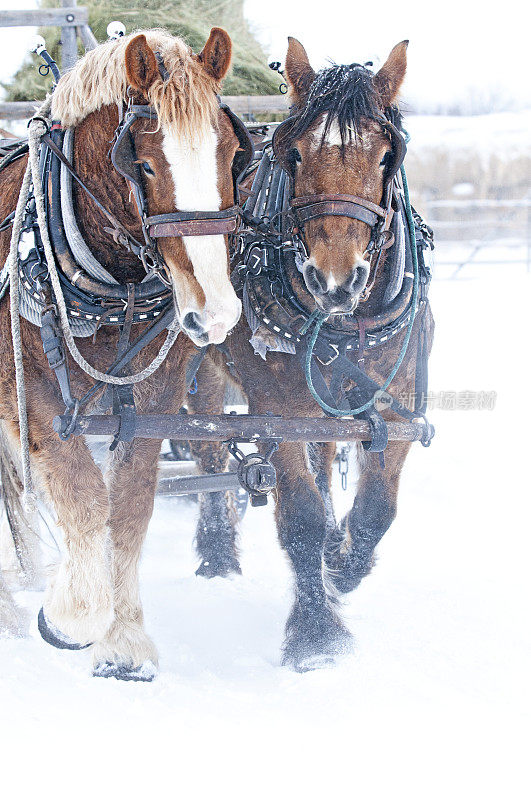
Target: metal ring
pixel 38 118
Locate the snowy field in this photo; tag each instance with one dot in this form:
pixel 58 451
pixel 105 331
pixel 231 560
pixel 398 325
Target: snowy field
pixel 434 701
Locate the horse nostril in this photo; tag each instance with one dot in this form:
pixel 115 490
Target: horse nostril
pixel 192 322
pixel 348 285
pixel 315 280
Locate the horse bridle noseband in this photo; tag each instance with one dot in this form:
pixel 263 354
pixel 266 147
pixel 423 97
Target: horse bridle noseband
pixel 377 217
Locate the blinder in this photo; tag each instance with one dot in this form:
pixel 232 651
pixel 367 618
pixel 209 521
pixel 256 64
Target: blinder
pixel 123 156
pixel 244 154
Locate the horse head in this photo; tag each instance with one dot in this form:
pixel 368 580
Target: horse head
pixel 336 148
pixel 183 157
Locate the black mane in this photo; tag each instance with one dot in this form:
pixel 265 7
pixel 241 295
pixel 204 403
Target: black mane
pixel 346 94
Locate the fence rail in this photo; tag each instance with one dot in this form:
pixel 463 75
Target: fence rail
pixel 69 16
pixel 240 104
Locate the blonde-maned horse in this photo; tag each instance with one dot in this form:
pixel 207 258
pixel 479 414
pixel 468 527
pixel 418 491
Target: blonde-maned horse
pixel 186 163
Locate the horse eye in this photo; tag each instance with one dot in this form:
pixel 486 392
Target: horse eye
pixel 148 169
pixel 295 155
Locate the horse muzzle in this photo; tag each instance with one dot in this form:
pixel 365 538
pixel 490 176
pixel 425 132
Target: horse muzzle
pixel 334 298
pixel 208 327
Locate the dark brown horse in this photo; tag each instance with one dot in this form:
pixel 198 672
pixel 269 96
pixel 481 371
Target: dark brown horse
pixel 186 162
pixel 337 144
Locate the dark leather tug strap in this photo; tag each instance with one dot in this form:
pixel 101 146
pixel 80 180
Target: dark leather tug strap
pixel 193 223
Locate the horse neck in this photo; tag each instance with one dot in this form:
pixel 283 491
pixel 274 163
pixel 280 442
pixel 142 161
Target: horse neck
pixel 92 145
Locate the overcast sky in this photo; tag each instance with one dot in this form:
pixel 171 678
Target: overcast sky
pixel 457 47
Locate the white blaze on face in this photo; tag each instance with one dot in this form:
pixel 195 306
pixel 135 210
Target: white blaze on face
pixel 195 178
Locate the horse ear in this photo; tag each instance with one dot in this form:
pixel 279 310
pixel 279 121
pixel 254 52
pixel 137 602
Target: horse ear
pixel 298 71
pixel 389 78
pixel 141 65
pixel 217 53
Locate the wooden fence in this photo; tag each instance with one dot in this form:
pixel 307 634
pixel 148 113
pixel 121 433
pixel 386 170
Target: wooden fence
pixel 73 21
pixel 71 18
pixel 244 105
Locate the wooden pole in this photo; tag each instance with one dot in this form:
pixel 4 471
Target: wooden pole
pixel 87 37
pixel 220 428
pixel 68 38
pixel 240 104
pixel 18 110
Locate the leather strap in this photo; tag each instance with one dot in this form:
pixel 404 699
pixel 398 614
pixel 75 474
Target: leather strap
pixel 306 200
pixel 193 223
pixel 335 208
pixel 52 345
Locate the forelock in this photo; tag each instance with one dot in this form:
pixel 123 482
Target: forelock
pixel 186 102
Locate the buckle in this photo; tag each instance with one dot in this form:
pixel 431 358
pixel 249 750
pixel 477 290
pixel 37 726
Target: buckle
pixel 335 348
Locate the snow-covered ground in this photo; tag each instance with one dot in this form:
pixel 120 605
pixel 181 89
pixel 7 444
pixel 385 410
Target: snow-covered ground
pixel 433 703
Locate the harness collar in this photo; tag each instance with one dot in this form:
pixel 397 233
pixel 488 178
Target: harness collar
pixel 266 269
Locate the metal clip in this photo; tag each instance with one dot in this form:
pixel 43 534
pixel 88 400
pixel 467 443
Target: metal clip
pixel 255 472
pixel 343 466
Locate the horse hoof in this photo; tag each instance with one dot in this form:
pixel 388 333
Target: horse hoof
pixel 145 672
pixel 305 651
pixel 315 662
pixel 53 635
pixel 218 569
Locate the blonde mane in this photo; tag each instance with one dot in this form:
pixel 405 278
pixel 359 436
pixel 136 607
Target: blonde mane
pixel 186 103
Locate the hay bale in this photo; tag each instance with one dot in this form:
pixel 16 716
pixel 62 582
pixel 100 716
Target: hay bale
pixel 191 19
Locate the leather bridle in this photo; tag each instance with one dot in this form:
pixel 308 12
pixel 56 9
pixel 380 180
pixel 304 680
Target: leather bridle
pixel 178 223
pixel 377 217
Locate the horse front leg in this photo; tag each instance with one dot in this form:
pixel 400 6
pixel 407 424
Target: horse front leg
pixel 78 605
pixel 126 652
pixel 217 526
pixel 349 553
pixel 314 631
